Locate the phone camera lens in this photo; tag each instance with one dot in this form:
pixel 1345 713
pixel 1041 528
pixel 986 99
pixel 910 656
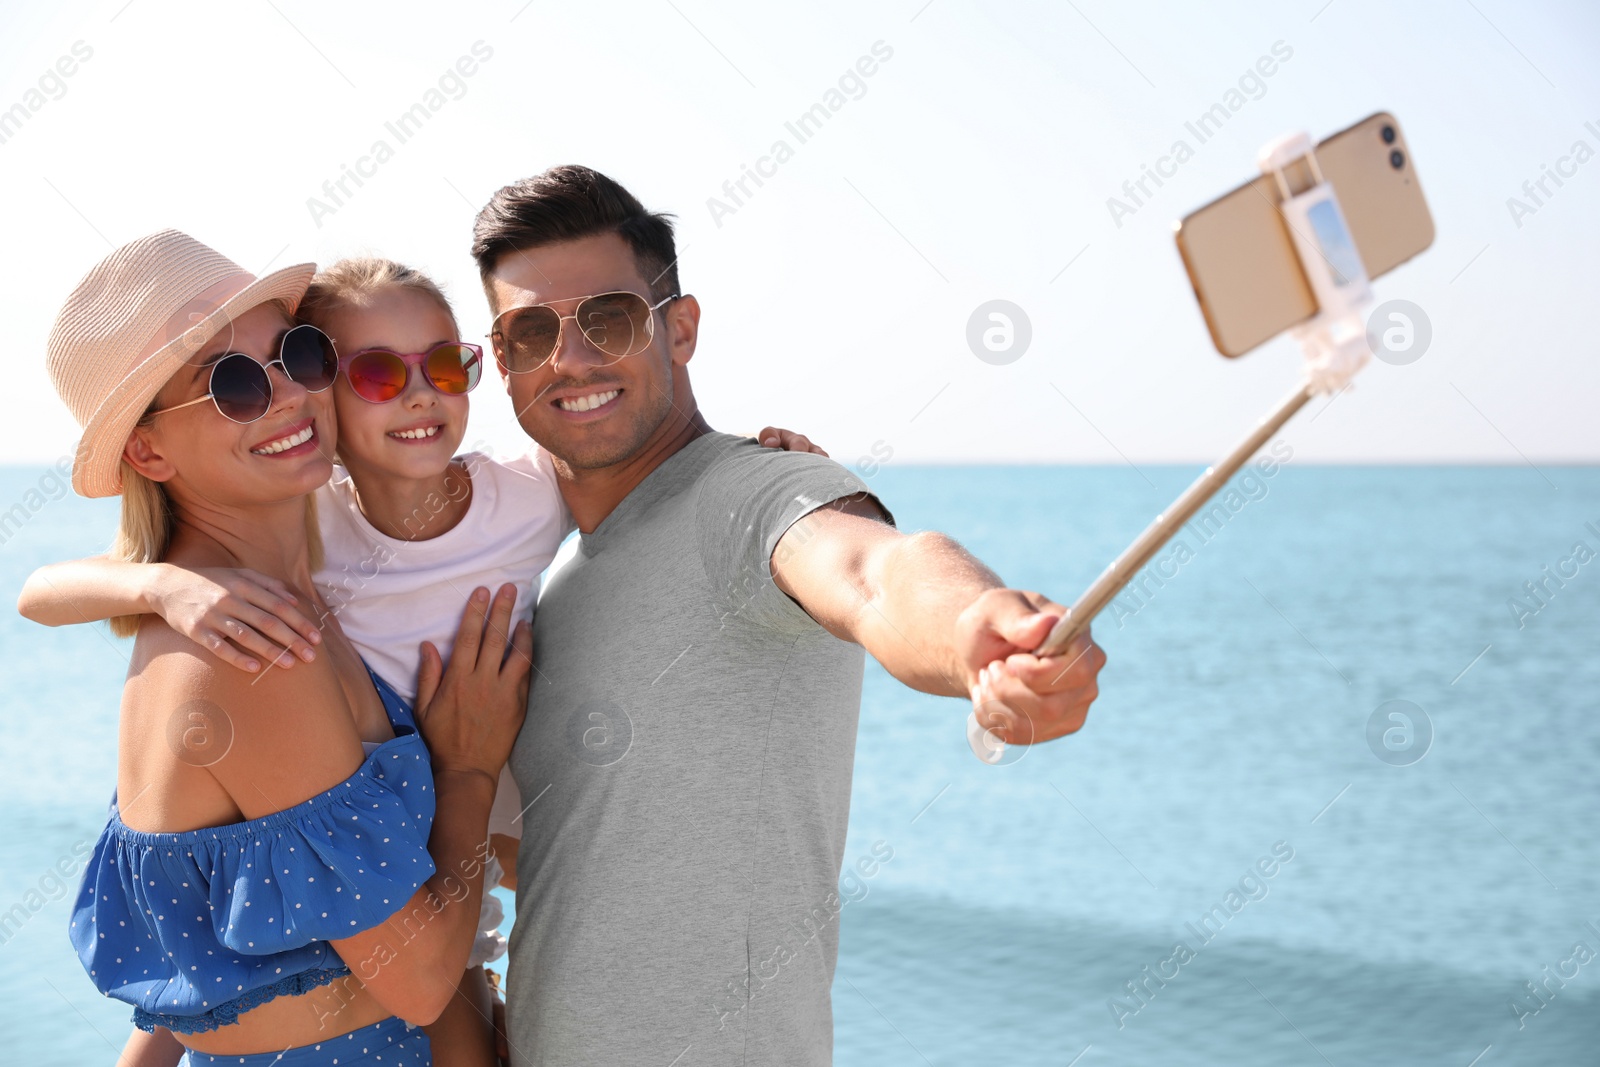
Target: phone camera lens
pixel 1388 135
pixel 1397 159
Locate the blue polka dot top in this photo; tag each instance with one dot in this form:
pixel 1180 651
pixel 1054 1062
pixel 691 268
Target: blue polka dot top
pixel 195 928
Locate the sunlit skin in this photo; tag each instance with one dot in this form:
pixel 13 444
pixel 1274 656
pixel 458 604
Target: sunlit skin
pixel 398 479
pixel 604 453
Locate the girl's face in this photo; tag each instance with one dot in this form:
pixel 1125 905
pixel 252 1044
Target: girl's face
pixel 415 434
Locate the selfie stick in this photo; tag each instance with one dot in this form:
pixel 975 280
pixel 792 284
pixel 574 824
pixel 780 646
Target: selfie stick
pixel 1335 346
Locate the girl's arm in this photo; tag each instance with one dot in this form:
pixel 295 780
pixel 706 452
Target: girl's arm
pixel 238 614
pixel 88 590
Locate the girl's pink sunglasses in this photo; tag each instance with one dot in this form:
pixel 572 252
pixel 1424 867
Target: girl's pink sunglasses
pixel 378 375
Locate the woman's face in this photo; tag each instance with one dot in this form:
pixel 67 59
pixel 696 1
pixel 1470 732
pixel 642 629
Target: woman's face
pixel 226 462
pixel 415 434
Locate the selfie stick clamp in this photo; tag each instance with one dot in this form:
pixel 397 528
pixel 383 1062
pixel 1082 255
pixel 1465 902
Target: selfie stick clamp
pixel 1334 340
pixel 1334 343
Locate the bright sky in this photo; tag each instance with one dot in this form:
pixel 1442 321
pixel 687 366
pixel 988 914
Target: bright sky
pixel 973 163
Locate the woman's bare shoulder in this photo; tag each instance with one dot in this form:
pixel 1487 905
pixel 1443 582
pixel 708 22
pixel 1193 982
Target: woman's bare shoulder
pixel 164 662
pixel 272 738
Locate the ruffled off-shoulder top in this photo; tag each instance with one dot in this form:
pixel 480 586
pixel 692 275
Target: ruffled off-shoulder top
pixel 195 928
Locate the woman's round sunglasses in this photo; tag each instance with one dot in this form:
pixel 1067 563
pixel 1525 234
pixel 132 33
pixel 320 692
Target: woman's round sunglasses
pixel 616 324
pixel 242 389
pixel 378 375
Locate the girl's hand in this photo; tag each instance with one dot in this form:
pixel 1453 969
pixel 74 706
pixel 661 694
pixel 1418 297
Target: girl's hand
pixel 238 614
pixel 788 440
pixel 470 712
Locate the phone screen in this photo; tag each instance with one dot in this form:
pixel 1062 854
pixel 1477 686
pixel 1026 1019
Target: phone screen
pixel 1333 237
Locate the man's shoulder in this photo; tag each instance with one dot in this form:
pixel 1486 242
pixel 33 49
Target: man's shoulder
pixel 729 455
pixel 746 479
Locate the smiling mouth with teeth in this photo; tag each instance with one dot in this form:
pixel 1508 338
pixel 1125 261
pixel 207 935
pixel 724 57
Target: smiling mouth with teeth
pixel 587 403
pixel 417 434
pixel 283 444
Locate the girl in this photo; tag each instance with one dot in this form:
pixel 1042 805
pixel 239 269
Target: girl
pixel 408 527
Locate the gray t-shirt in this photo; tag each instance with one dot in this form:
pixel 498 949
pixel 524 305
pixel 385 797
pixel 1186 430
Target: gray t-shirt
pixel 686 761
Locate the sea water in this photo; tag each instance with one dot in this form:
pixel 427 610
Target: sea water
pixel 1433 895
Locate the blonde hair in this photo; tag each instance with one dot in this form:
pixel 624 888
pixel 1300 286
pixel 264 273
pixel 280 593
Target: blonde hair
pixel 355 280
pixel 145 525
pixel 144 532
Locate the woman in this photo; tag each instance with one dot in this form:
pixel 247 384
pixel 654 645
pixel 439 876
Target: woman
pixel 287 872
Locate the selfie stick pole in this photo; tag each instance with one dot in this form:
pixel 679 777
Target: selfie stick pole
pixel 1334 344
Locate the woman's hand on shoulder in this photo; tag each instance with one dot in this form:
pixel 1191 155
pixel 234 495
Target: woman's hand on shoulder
pixel 470 711
pixel 241 616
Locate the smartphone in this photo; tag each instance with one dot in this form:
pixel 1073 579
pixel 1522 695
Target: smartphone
pixel 1241 258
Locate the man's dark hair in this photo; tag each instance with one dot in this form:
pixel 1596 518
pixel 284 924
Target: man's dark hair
pixel 567 203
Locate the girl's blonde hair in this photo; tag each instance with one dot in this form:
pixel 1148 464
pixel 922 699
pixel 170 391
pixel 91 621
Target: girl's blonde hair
pixel 144 529
pixel 354 281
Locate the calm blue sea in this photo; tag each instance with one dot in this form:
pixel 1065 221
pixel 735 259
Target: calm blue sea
pixel 1421 898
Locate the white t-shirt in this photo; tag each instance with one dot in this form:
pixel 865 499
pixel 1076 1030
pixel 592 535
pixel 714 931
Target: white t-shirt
pixel 391 595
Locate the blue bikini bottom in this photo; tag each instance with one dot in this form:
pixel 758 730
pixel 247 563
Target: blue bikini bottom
pixel 389 1043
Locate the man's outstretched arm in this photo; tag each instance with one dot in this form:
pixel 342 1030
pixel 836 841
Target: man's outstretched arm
pixel 937 619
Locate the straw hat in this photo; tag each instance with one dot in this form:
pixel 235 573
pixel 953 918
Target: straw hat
pixel 131 323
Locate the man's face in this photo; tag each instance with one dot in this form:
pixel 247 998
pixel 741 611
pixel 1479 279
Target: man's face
pixel 553 402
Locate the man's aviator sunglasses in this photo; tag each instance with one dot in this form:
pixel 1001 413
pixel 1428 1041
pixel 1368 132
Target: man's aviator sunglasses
pixel 616 324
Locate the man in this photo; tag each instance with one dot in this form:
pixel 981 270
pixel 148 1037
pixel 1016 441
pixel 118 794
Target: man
pixel 691 728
